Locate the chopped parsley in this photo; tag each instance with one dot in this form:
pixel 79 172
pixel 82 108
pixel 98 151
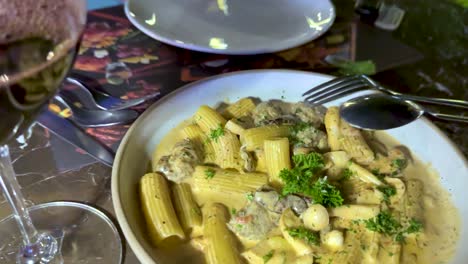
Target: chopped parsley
pixel 385 223
pixel 346 174
pixel 305 234
pixel 387 192
pixel 414 226
pixel 233 211
pixel 399 163
pixel 268 256
pixel 209 173
pixel 377 173
pixel 216 133
pixel 400 237
pixel 300 180
pixel 326 194
pixel 298 127
pixel 250 197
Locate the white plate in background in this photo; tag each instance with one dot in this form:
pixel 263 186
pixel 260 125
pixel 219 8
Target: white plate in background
pixel 232 27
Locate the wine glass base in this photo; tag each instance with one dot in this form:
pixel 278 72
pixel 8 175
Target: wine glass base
pixel 84 234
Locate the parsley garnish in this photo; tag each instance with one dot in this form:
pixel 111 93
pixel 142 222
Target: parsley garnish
pixel 385 223
pixel 233 211
pixel 216 133
pixel 387 192
pixel 268 256
pixel 299 180
pixel 305 234
pixel 399 163
pixel 377 173
pixel 346 174
pixel 326 194
pixel 209 173
pixel 414 226
pixel 400 237
pixel 301 126
pixel 250 197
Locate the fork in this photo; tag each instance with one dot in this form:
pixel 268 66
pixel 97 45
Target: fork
pixel 341 86
pixel 96 100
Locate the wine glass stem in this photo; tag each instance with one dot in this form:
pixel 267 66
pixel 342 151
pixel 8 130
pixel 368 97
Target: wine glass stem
pixel 11 190
pixel 37 248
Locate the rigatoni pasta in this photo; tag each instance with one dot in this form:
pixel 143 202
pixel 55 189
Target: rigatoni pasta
pixel 208 119
pixel 187 209
pixel 222 184
pixel 221 246
pixel 227 151
pixel 253 138
pixel 234 127
pixel 161 219
pixel 354 144
pixel 355 211
pixel 239 109
pixel 332 125
pixel 201 141
pixel 277 158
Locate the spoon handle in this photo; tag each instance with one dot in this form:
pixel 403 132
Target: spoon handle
pixel 438 101
pixel 446 117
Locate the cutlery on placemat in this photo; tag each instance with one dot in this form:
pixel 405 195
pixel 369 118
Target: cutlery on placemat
pixel 76 136
pixel 93 118
pixel 97 100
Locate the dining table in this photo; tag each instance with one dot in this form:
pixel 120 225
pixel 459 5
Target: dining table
pixel 426 55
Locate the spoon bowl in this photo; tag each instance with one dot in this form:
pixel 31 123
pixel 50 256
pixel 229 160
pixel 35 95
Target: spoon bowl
pixel 96 118
pixel 379 112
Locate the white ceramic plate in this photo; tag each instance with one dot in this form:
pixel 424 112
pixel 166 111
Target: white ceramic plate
pixel 232 27
pixel 134 154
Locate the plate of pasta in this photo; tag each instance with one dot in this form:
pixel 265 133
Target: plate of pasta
pixel 238 169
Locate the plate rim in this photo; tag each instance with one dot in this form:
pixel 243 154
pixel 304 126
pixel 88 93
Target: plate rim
pixel 200 48
pixel 143 255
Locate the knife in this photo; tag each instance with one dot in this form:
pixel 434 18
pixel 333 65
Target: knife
pixel 75 135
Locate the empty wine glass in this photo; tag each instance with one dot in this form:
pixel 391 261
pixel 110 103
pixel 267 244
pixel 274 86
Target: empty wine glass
pixel 38 43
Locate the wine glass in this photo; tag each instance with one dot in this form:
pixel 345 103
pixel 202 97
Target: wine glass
pixel 38 43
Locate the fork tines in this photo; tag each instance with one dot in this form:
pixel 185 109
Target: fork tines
pixel 335 88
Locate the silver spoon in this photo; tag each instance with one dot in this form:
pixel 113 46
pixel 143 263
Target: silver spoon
pixel 96 118
pixel 381 111
pixel 96 100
